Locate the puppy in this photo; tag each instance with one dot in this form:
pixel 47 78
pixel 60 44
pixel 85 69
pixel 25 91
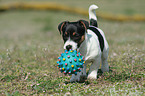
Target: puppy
pixel 89 40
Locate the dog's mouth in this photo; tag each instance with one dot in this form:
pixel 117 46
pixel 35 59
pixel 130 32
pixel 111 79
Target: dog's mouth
pixel 69 47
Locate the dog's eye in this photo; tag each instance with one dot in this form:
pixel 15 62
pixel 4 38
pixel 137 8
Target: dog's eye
pixel 76 35
pixel 77 38
pixel 65 34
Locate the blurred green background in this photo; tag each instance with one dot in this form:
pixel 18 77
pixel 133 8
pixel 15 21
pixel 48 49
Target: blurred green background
pixel 30 44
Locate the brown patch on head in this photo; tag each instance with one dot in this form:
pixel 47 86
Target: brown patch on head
pixel 65 33
pixel 62 27
pixel 74 33
pixel 84 25
pixel 82 39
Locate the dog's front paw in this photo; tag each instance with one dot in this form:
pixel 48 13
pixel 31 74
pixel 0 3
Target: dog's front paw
pixel 78 78
pixel 92 75
pixel 75 78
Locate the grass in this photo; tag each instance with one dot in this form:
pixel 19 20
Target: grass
pixel 30 45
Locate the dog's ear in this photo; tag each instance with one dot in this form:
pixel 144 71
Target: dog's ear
pixel 84 24
pixel 62 26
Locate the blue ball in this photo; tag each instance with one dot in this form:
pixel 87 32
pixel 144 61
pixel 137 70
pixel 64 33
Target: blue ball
pixel 70 62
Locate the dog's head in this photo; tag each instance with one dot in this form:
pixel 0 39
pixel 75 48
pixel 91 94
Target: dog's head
pixel 73 33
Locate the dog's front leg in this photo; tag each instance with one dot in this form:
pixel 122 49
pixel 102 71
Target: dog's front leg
pixel 74 78
pixel 94 68
pixel 81 76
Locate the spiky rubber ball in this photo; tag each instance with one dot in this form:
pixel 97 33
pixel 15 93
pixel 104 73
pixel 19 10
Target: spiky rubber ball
pixel 70 62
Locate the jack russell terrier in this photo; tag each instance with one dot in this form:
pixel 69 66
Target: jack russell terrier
pixel 90 41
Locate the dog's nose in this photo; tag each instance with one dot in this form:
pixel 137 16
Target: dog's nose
pixel 68 47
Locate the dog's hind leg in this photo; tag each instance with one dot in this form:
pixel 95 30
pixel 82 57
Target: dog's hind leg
pixel 105 66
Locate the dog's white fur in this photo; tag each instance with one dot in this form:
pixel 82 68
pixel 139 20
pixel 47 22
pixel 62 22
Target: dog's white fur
pixel 90 49
pixel 72 43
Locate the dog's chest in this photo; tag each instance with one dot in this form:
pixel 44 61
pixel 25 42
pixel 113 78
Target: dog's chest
pixel 90 48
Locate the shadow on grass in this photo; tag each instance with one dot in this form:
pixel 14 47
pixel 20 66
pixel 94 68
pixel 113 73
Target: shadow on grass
pixel 111 76
pixel 84 78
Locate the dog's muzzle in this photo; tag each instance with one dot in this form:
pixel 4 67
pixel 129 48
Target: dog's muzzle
pixel 68 47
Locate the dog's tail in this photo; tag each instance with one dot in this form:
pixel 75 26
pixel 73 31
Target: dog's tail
pixel 92 15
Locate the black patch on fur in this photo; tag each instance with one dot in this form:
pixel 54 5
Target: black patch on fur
pixel 73 27
pixel 100 37
pixel 78 27
pixel 93 23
